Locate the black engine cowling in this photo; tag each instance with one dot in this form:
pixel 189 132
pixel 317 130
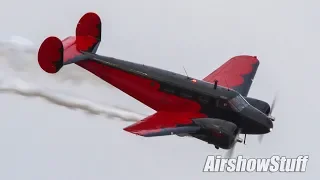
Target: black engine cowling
pixel 219 132
pixel 259 104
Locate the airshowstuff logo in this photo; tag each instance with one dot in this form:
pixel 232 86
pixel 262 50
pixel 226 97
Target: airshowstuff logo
pixel 275 163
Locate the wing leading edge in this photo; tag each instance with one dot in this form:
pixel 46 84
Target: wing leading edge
pixel 237 73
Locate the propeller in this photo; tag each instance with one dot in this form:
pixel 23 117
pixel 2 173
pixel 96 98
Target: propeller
pixel 260 138
pixel 273 104
pixel 230 152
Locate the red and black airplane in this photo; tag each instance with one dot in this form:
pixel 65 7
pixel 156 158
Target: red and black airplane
pixel 215 109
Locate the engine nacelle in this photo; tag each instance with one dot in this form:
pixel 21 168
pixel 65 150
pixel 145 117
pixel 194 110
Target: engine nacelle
pixel 221 133
pixel 259 104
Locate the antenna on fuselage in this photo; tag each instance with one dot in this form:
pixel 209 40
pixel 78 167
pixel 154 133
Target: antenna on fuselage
pixel 185 72
pixel 227 84
pixel 215 84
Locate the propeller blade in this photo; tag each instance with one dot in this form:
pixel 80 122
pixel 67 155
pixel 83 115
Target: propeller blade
pixel 273 104
pixel 230 152
pixel 244 140
pixel 260 138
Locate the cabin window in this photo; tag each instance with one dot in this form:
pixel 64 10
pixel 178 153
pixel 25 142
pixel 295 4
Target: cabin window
pixel 238 103
pixel 223 104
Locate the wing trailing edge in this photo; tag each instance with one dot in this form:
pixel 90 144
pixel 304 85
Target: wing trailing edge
pixel 165 123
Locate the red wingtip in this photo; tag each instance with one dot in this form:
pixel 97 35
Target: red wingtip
pixel 135 129
pixel 245 58
pixel 130 130
pixel 127 129
pixel 50 55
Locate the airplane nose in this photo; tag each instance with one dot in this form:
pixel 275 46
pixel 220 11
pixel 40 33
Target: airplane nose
pixel 264 123
pixel 268 124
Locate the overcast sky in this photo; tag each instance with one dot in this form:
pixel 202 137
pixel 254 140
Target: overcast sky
pixel 42 141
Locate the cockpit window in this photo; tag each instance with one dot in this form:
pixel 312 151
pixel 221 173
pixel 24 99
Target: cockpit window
pixel 238 103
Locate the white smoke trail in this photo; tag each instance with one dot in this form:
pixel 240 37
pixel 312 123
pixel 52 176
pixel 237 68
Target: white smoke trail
pixel 20 55
pixel 21 63
pixel 22 88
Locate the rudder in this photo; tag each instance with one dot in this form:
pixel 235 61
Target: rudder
pixel 89 26
pixel 54 53
pixel 50 55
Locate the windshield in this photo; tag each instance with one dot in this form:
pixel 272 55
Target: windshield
pixel 238 103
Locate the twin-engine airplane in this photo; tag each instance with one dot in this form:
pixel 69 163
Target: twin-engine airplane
pixel 215 110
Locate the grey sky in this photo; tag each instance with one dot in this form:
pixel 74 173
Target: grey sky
pixel 42 141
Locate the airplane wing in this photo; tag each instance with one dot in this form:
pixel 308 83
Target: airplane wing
pixel 165 123
pixel 237 73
